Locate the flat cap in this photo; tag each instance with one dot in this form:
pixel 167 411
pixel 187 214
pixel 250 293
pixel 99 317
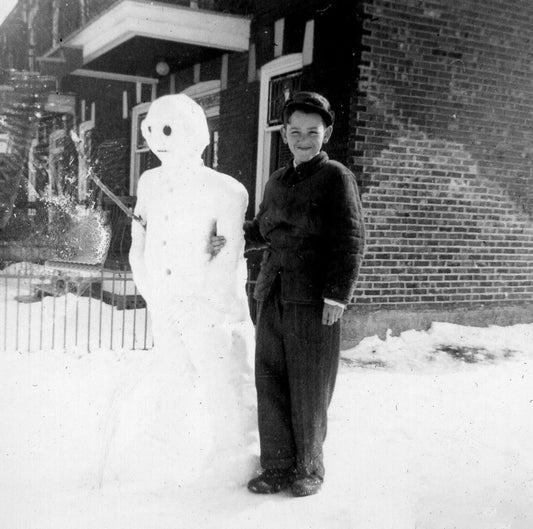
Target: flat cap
pixel 309 102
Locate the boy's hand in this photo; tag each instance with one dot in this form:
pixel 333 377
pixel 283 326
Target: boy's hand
pixel 215 244
pixel 331 313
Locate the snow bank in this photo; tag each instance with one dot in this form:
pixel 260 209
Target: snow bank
pixel 445 346
pixel 428 430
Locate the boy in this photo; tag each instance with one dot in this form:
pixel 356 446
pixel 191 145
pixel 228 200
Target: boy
pixel 311 221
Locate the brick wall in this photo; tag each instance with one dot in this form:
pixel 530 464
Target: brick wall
pixel 442 132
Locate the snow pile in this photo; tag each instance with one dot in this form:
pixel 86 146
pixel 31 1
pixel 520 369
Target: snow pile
pixel 445 346
pixel 430 441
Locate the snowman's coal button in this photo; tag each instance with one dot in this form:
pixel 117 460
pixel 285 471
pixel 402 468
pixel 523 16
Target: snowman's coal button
pixel 164 243
pixel 168 271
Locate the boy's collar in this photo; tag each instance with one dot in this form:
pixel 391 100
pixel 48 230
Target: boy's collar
pixel 312 164
pixel 304 169
pixel 308 161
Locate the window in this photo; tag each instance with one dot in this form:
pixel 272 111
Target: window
pixel 281 88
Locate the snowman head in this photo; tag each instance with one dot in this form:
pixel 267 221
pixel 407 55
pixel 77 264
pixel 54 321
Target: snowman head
pixel 175 129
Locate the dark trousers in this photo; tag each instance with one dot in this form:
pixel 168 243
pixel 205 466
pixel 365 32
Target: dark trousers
pixel 296 365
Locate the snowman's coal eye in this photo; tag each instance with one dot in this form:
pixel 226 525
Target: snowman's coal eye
pixel 149 129
pixel 167 131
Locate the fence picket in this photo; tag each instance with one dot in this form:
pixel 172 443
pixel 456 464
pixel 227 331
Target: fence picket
pixel 70 301
pixel 5 312
pixel 36 306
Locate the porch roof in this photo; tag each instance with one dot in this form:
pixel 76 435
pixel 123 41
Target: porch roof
pixel 128 22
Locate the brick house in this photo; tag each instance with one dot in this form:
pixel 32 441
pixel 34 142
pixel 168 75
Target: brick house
pixel 433 113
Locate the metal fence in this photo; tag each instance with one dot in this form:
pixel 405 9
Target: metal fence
pixel 50 310
pixel 42 309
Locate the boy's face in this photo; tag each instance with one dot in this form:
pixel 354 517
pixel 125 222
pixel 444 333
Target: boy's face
pixel 305 134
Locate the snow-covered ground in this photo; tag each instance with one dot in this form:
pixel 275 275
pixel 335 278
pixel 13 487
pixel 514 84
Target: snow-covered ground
pixel 428 430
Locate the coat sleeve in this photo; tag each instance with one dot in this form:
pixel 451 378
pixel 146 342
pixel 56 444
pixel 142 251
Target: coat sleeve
pixel 253 237
pixel 252 233
pixel 345 236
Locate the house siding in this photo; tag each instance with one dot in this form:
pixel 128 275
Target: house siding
pixel 441 131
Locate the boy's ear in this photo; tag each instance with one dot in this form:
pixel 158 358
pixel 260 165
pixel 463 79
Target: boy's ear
pixel 327 133
pixel 283 132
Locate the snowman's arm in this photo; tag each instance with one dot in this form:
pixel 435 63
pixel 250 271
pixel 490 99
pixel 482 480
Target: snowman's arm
pixel 229 224
pixel 136 254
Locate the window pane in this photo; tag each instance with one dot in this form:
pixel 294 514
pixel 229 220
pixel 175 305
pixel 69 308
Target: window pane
pixel 281 88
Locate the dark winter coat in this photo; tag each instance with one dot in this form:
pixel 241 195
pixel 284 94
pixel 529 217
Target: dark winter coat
pixel 311 220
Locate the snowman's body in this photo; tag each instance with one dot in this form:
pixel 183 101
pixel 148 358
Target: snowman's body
pixel 182 211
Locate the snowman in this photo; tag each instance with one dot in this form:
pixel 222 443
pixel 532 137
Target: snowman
pixel 182 203
pixel 203 335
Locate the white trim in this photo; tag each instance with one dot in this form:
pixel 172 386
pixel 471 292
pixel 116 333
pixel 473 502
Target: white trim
pixel 279 32
pixel 32 172
pixel 172 83
pixel 224 72
pixel 55 22
pixel 309 39
pixel 285 64
pixel 54 150
pixel 138 18
pixel 206 88
pixel 114 76
pixel 124 104
pixel 202 89
pixel 82 11
pixel 57 60
pixel 4 143
pixel 134 169
pixel 83 168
